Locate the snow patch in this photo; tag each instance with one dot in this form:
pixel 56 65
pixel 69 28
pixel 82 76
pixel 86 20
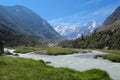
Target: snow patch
pixel 72 31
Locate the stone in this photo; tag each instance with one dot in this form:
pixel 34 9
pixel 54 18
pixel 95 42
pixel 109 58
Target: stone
pixel 16 55
pixel 84 52
pixel 47 62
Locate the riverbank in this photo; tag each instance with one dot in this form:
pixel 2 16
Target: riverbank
pixel 110 57
pixel 47 50
pixel 79 61
pixel 28 69
pixel 114 55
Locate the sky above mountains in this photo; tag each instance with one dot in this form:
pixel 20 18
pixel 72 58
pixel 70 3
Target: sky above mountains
pixel 68 11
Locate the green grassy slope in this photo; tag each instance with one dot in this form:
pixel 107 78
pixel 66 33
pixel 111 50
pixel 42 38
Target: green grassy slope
pixel 28 69
pixel 12 38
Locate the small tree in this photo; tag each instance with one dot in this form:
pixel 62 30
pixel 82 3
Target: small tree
pixel 82 37
pixel 1 47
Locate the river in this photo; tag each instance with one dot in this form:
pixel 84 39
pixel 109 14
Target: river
pixel 79 62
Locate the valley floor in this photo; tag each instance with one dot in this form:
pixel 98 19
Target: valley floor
pixel 28 69
pixel 79 62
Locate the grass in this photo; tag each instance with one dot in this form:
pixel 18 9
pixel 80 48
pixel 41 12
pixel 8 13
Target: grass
pixel 109 51
pixel 60 51
pixel 28 69
pixel 112 51
pixel 113 55
pixel 24 49
pixel 110 57
pixel 48 50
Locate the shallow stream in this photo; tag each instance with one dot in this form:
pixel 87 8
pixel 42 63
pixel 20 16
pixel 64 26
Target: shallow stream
pixel 79 62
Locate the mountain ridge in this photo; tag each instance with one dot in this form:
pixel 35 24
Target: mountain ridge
pixel 105 37
pixel 112 22
pixel 75 31
pixel 25 21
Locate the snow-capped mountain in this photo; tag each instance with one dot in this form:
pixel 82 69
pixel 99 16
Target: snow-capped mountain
pixel 74 31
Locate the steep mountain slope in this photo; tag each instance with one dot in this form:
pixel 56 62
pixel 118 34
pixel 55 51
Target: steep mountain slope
pixel 75 31
pixel 107 36
pixel 11 38
pixel 24 21
pixel 112 22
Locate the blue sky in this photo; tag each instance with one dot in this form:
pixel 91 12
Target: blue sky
pixel 68 11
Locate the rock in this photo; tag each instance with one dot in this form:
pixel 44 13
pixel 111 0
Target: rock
pixel 90 51
pixel 84 52
pixel 8 53
pixel 16 55
pixel 106 47
pixel 47 62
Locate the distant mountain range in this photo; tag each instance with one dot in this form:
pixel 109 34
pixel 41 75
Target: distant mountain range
pixel 23 21
pixel 106 36
pixel 75 31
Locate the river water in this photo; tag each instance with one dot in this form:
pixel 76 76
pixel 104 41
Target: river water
pixel 79 62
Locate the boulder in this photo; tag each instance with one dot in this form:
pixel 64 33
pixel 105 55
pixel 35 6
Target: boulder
pixel 47 62
pixel 8 53
pixel 84 52
pixel 16 55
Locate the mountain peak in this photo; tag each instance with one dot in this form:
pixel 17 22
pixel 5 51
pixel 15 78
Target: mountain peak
pixel 18 5
pixel 92 24
pixel 25 21
pixel 74 31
